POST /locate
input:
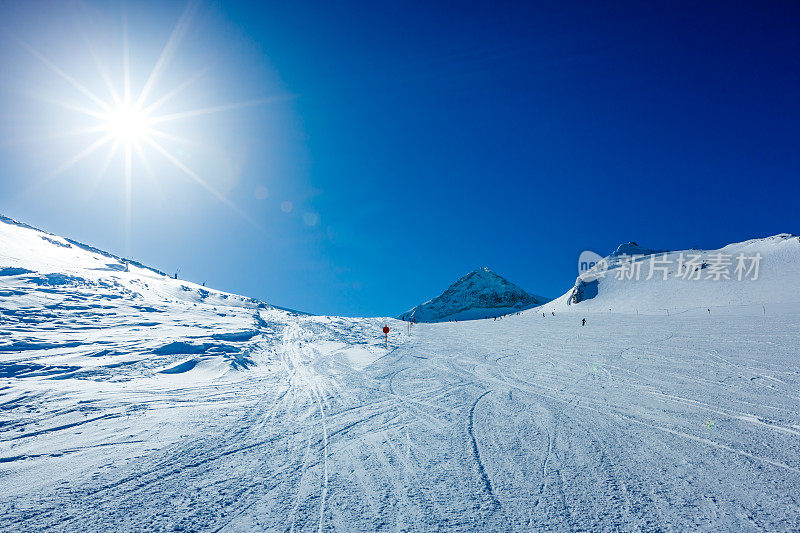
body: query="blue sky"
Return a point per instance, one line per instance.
(385, 150)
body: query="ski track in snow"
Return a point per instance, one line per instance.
(487, 483)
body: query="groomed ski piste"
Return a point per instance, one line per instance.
(133, 401)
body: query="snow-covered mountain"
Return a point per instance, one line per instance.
(132, 400)
(479, 294)
(633, 279)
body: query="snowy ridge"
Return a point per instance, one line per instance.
(479, 294)
(72, 310)
(68, 243)
(695, 279)
(632, 248)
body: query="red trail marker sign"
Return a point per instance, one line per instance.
(386, 333)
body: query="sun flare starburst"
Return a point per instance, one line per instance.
(132, 122)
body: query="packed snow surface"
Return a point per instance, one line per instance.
(132, 401)
(479, 294)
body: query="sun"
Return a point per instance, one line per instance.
(132, 120)
(127, 124)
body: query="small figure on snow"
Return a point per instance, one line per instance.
(583, 322)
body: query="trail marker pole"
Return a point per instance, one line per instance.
(386, 333)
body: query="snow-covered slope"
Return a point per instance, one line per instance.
(71, 310)
(752, 273)
(270, 421)
(479, 294)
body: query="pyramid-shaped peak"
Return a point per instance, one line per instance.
(483, 272)
(478, 294)
(482, 275)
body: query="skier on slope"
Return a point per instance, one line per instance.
(583, 322)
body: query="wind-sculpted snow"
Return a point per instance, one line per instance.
(131, 401)
(479, 294)
(73, 311)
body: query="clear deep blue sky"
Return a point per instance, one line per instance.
(416, 142)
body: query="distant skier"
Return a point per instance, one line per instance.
(583, 322)
(554, 313)
(542, 315)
